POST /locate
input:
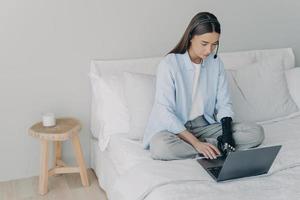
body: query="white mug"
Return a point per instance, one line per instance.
(49, 119)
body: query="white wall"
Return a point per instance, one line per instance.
(46, 47)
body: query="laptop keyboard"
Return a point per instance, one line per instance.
(215, 171)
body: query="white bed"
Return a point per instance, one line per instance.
(127, 172)
(124, 156)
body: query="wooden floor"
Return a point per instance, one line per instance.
(66, 187)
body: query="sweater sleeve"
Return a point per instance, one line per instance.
(224, 103)
(165, 99)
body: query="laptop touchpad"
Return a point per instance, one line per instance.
(212, 162)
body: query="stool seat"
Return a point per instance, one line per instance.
(65, 128)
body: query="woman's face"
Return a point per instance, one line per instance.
(203, 45)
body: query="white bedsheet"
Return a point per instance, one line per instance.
(127, 153)
(144, 178)
(102, 164)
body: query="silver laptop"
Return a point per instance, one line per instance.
(241, 164)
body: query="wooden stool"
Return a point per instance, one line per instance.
(66, 128)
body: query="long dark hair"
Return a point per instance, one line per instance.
(203, 22)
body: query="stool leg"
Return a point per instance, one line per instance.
(43, 179)
(80, 160)
(57, 152)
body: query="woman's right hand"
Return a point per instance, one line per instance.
(207, 149)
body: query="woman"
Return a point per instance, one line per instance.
(192, 112)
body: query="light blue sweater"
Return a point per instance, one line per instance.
(173, 97)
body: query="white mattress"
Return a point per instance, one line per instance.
(124, 155)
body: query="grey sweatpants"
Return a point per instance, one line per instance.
(168, 146)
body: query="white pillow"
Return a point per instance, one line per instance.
(235, 60)
(111, 113)
(259, 91)
(139, 93)
(293, 80)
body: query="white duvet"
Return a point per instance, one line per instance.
(144, 178)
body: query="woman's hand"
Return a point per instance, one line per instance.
(207, 149)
